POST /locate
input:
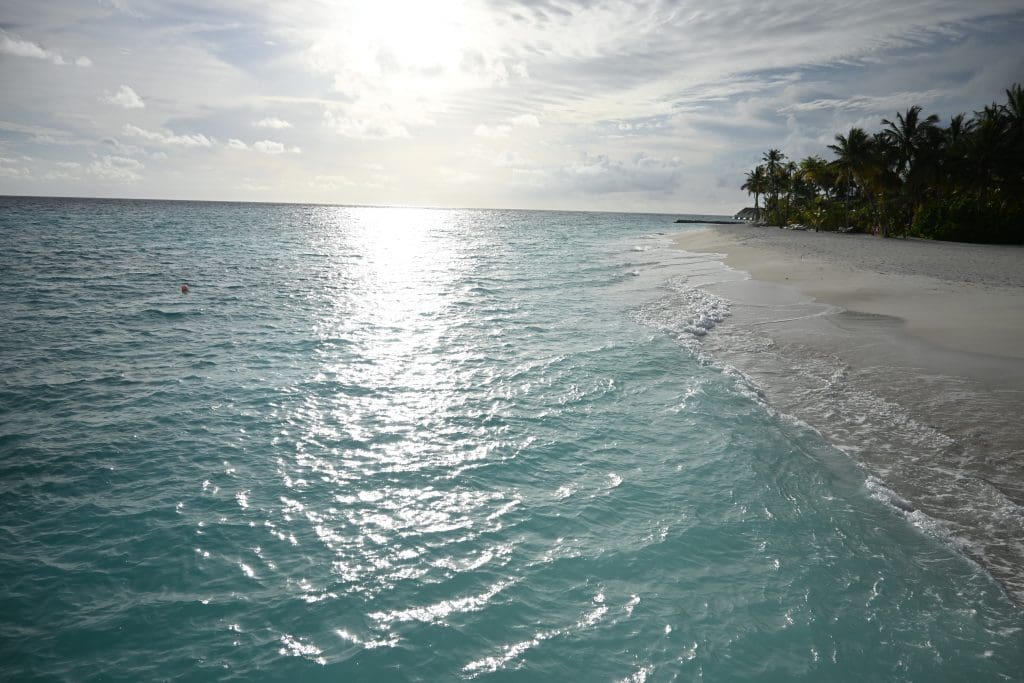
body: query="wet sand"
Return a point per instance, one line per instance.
(908, 355)
(965, 297)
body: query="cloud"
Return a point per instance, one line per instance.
(272, 122)
(35, 131)
(272, 147)
(339, 182)
(170, 139)
(17, 47)
(509, 159)
(65, 170)
(600, 174)
(115, 168)
(457, 176)
(263, 146)
(366, 127)
(525, 120)
(890, 101)
(269, 147)
(499, 131)
(10, 168)
(503, 130)
(127, 98)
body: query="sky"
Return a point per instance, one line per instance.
(606, 105)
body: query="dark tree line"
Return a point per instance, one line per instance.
(914, 177)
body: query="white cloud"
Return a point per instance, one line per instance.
(13, 172)
(891, 101)
(503, 130)
(115, 168)
(170, 139)
(126, 97)
(600, 174)
(263, 146)
(371, 178)
(272, 147)
(272, 122)
(11, 168)
(509, 159)
(500, 131)
(65, 170)
(365, 127)
(268, 147)
(18, 47)
(38, 132)
(252, 185)
(331, 182)
(525, 120)
(457, 176)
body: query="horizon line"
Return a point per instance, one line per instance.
(338, 204)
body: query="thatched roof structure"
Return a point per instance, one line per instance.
(750, 214)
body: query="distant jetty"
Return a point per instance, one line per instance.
(706, 222)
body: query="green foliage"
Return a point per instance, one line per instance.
(971, 219)
(915, 178)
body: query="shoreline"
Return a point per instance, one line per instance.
(962, 297)
(905, 355)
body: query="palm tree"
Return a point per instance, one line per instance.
(986, 149)
(853, 164)
(818, 180)
(1013, 167)
(792, 183)
(773, 159)
(1014, 106)
(756, 184)
(909, 136)
(853, 157)
(914, 145)
(965, 181)
(819, 174)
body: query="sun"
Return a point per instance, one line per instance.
(410, 36)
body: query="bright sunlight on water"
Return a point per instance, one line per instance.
(403, 444)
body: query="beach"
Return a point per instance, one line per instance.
(905, 354)
(965, 297)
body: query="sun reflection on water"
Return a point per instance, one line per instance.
(372, 477)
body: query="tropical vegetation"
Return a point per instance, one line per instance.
(914, 177)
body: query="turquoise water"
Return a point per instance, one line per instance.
(394, 444)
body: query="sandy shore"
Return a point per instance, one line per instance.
(907, 355)
(964, 297)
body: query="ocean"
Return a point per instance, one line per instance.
(390, 444)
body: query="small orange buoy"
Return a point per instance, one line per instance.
(184, 289)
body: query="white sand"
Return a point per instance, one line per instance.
(964, 297)
(907, 355)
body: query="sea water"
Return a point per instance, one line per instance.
(415, 445)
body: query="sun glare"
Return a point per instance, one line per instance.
(407, 34)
